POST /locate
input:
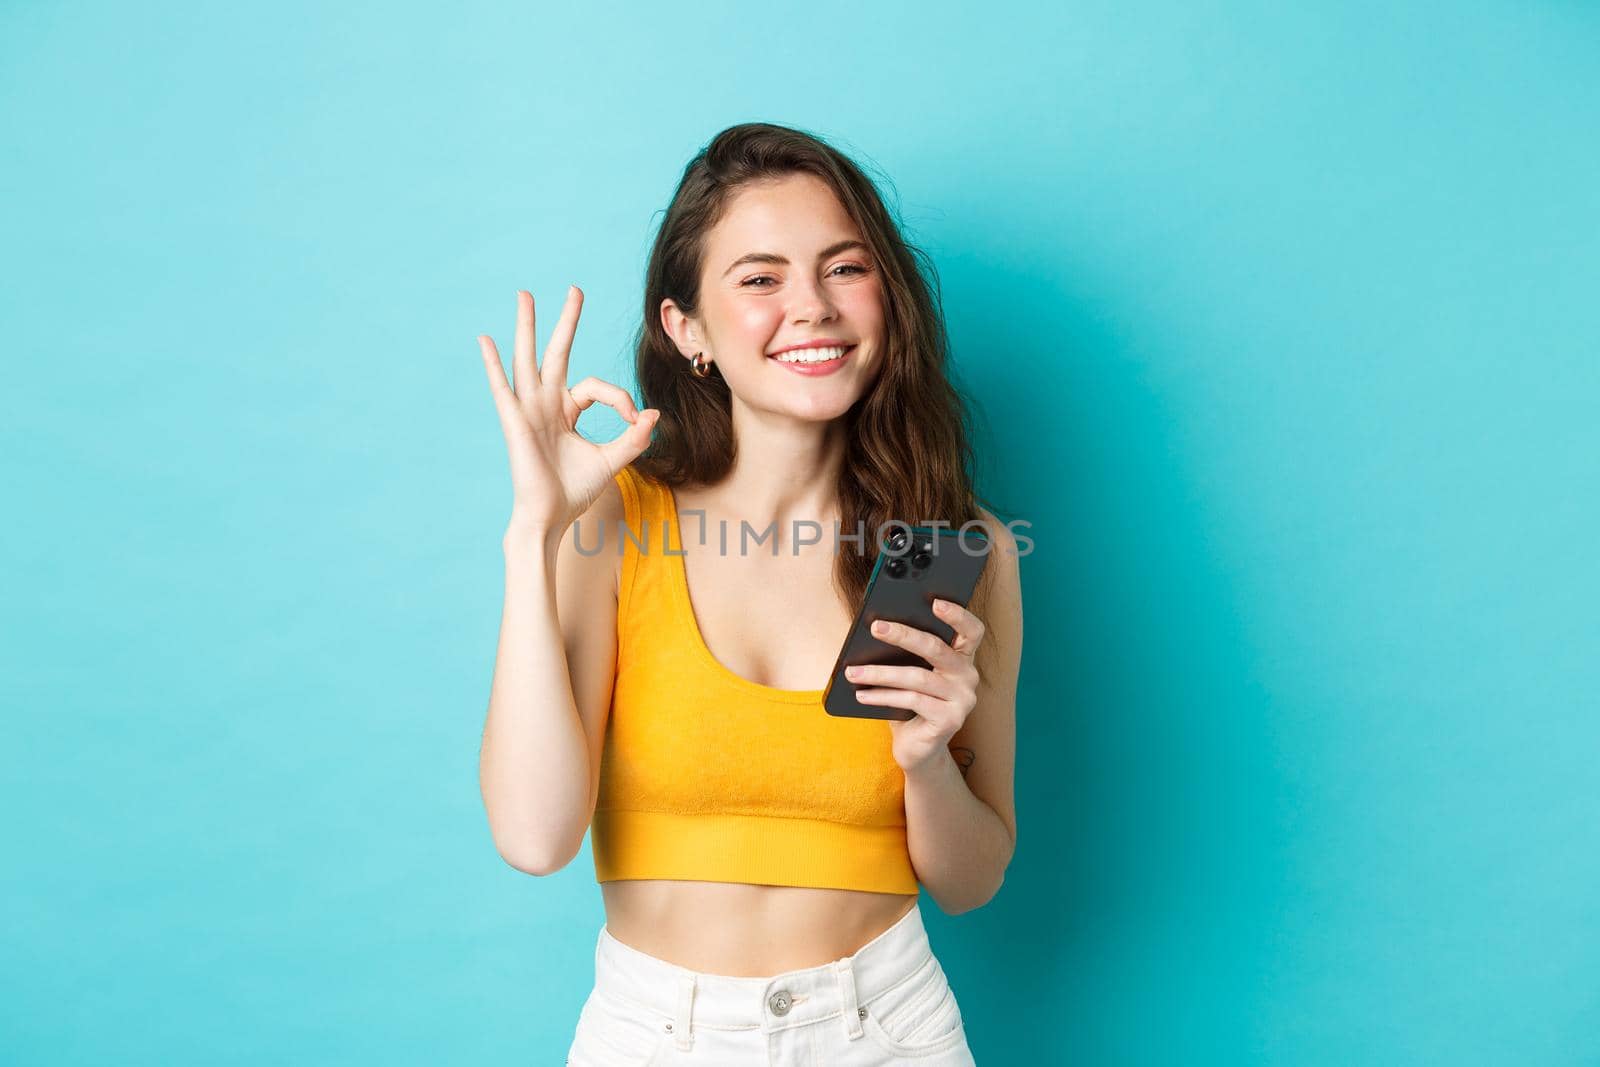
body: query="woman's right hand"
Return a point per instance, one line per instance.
(555, 472)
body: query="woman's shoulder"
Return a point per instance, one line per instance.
(597, 524)
(612, 502)
(637, 480)
(1001, 540)
(636, 493)
(999, 585)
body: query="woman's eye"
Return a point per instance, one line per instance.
(854, 268)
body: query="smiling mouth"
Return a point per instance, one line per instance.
(812, 357)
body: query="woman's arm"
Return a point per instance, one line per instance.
(959, 754)
(960, 847)
(548, 703)
(538, 768)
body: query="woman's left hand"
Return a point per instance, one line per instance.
(942, 697)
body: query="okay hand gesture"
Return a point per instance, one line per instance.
(556, 473)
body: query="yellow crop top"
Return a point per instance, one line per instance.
(708, 776)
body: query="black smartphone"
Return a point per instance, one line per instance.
(915, 565)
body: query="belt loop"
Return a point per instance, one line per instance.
(845, 974)
(681, 1032)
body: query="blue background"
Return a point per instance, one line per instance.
(1284, 320)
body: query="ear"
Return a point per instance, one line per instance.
(683, 330)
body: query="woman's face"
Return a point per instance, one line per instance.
(786, 266)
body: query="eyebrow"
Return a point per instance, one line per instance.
(773, 257)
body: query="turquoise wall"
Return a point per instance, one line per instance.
(1284, 319)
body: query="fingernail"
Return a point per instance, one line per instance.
(880, 627)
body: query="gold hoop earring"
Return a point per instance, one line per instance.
(701, 367)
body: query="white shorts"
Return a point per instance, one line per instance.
(887, 1003)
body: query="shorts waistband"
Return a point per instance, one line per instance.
(793, 998)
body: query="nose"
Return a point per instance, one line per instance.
(810, 304)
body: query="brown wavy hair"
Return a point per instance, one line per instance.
(907, 455)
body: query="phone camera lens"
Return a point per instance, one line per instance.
(921, 560)
(896, 568)
(897, 541)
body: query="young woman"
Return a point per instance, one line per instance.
(659, 681)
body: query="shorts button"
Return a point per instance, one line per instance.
(779, 1002)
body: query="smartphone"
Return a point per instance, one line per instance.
(915, 565)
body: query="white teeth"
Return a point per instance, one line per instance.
(809, 355)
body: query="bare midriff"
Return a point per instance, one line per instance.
(746, 931)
